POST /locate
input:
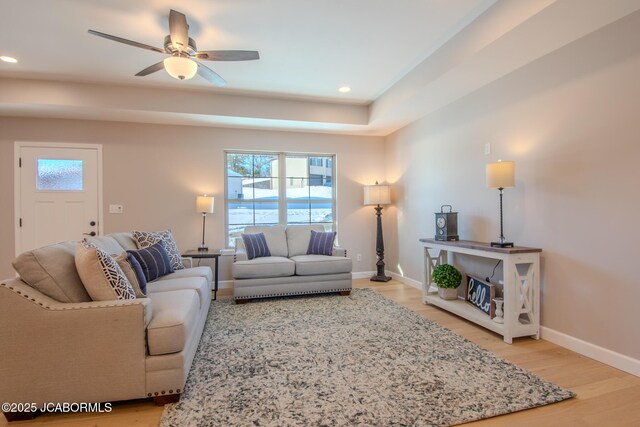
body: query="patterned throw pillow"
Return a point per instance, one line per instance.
(256, 245)
(101, 275)
(321, 243)
(144, 239)
(132, 269)
(154, 261)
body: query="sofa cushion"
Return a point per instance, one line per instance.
(272, 266)
(198, 284)
(298, 237)
(146, 239)
(101, 275)
(275, 236)
(125, 239)
(256, 245)
(321, 243)
(52, 270)
(132, 269)
(154, 261)
(203, 271)
(310, 265)
(107, 244)
(175, 315)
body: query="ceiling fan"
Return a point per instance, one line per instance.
(182, 48)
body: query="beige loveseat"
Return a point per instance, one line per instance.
(68, 348)
(289, 270)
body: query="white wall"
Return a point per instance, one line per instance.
(156, 172)
(571, 123)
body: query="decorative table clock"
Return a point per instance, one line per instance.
(446, 224)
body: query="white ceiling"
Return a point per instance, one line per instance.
(308, 48)
(405, 59)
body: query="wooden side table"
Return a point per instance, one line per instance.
(210, 254)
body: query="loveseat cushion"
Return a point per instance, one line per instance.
(203, 271)
(311, 265)
(175, 315)
(198, 284)
(272, 266)
(298, 237)
(275, 237)
(52, 270)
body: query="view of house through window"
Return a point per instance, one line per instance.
(279, 188)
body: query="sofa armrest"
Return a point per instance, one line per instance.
(338, 251)
(240, 253)
(70, 352)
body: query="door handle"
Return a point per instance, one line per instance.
(92, 223)
(93, 233)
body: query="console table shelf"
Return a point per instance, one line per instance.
(521, 285)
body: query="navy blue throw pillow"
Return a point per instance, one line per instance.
(154, 261)
(256, 245)
(139, 272)
(321, 243)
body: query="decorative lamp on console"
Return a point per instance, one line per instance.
(204, 205)
(378, 195)
(501, 175)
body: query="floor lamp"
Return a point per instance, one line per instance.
(501, 175)
(204, 205)
(378, 195)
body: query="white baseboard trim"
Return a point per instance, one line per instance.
(406, 280)
(601, 354)
(225, 284)
(362, 274)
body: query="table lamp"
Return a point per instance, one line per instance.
(204, 205)
(501, 175)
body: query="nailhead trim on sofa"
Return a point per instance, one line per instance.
(287, 294)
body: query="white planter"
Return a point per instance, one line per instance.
(448, 293)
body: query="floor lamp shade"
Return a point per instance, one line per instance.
(378, 194)
(501, 175)
(205, 204)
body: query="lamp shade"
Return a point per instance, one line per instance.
(379, 194)
(180, 67)
(204, 204)
(501, 174)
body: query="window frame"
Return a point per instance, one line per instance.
(282, 200)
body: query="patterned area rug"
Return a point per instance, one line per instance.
(344, 361)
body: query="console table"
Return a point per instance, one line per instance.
(521, 285)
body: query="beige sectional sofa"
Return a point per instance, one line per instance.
(59, 346)
(289, 270)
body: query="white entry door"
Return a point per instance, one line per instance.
(58, 194)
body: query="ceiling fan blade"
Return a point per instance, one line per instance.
(211, 75)
(152, 69)
(228, 55)
(125, 41)
(179, 30)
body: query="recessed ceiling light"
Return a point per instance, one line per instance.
(344, 89)
(8, 59)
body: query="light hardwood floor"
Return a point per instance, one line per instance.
(606, 396)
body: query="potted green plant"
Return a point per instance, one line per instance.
(447, 278)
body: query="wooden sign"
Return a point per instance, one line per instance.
(480, 294)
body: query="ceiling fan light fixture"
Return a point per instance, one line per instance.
(180, 68)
